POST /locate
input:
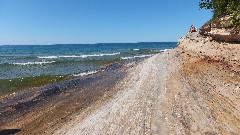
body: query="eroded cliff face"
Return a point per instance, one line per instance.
(221, 30)
(204, 95)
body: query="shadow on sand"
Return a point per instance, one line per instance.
(9, 131)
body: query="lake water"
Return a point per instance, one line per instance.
(19, 61)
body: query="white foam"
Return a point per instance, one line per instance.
(69, 56)
(106, 54)
(33, 63)
(85, 73)
(138, 56)
(135, 49)
(78, 56)
(164, 50)
(142, 56)
(126, 58)
(47, 57)
(90, 55)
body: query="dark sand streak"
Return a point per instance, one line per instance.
(45, 109)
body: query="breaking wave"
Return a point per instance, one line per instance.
(78, 56)
(138, 56)
(33, 63)
(85, 73)
(164, 50)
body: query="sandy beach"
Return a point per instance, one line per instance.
(136, 108)
(92, 67)
(192, 89)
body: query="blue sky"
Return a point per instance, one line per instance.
(97, 21)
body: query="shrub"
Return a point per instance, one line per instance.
(223, 9)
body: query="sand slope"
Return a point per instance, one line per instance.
(193, 89)
(136, 109)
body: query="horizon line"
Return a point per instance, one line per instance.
(92, 43)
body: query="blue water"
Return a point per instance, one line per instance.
(18, 61)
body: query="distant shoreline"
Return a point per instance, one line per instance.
(85, 43)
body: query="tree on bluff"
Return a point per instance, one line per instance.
(222, 8)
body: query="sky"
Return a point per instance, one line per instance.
(47, 22)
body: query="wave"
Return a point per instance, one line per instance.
(70, 56)
(126, 58)
(78, 56)
(85, 73)
(164, 50)
(33, 63)
(55, 57)
(138, 56)
(97, 55)
(47, 57)
(142, 56)
(110, 54)
(136, 49)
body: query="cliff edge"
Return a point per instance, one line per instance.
(204, 94)
(192, 89)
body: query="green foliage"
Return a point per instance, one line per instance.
(207, 4)
(223, 8)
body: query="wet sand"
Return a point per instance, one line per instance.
(45, 109)
(192, 89)
(137, 108)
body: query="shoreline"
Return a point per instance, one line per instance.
(140, 105)
(11, 86)
(55, 103)
(191, 89)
